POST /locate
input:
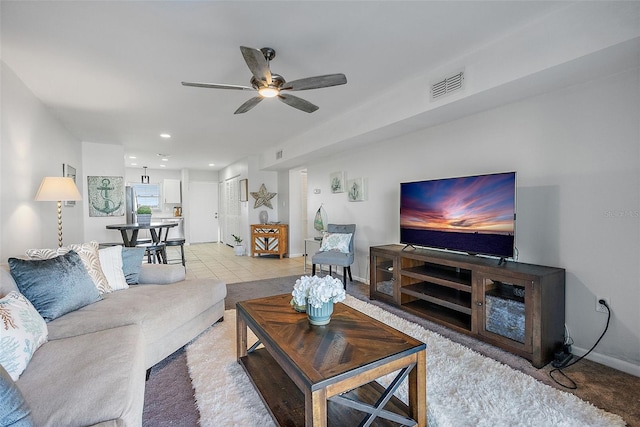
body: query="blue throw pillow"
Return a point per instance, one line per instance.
(54, 286)
(132, 264)
(14, 411)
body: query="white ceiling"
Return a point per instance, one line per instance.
(111, 70)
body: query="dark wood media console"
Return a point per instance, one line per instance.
(516, 306)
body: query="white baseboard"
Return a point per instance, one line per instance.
(609, 361)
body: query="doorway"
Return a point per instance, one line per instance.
(203, 212)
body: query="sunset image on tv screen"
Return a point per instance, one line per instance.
(478, 204)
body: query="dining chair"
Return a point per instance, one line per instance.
(154, 252)
(176, 241)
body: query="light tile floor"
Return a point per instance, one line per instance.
(218, 260)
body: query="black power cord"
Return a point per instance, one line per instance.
(558, 368)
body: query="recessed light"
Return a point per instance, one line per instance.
(212, 164)
(132, 157)
(165, 135)
(163, 166)
(165, 159)
(134, 164)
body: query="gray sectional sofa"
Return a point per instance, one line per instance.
(92, 369)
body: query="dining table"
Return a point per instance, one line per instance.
(130, 231)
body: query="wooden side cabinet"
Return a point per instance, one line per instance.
(269, 239)
(518, 307)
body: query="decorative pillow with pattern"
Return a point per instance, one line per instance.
(335, 242)
(22, 331)
(90, 258)
(111, 263)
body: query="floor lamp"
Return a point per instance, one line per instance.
(58, 189)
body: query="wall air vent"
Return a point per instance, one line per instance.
(447, 85)
(278, 155)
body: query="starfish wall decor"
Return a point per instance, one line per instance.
(263, 197)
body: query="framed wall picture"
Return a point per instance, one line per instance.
(244, 190)
(337, 182)
(69, 171)
(106, 195)
(356, 191)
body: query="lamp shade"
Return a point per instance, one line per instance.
(54, 189)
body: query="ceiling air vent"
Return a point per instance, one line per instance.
(447, 85)
(278, 155)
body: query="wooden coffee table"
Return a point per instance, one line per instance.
(324, 375)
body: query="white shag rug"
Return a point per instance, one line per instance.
(464, 388)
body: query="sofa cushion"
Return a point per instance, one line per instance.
(22, 331)
(132, 264)
(14, 411)
(111, 263)
(162, 274)
(88, 253)
(54, 286)
(88, 379)
(160, 309)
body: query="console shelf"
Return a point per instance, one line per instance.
(446, 297)
(516, 306)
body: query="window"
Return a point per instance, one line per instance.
(148, 195)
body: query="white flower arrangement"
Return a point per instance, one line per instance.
(315, 291)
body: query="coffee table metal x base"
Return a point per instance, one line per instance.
(375, 410)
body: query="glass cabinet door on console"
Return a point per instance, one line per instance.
(383, 277)
(504, 308)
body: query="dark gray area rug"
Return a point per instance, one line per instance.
(169, 396)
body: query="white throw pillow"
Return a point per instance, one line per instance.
(111, 263)
(335, 242)
(88, 254)
(22, 331)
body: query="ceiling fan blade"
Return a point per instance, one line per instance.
(217, 86)
(257, 63)
(298, 103)
(248, 105)
(315, 82)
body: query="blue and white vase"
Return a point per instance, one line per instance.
(320, 316)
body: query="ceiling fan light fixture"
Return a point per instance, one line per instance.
(268, 92)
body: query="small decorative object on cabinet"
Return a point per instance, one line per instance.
(319, 221)
(269, 239)
(516, 306)
(264, 217)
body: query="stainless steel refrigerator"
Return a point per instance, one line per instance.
(131, 204)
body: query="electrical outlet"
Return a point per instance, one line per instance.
(600, 307)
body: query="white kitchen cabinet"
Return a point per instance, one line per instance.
(171, 190)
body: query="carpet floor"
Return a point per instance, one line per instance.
(465, 388)
(169, 397)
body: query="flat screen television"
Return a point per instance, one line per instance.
(472, 214)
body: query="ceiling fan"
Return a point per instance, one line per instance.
(271, 85)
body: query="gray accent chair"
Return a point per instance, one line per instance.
(337, 258)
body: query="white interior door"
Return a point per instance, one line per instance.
(231, 210)
(203, 212)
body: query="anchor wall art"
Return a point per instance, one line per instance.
(106, 195)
